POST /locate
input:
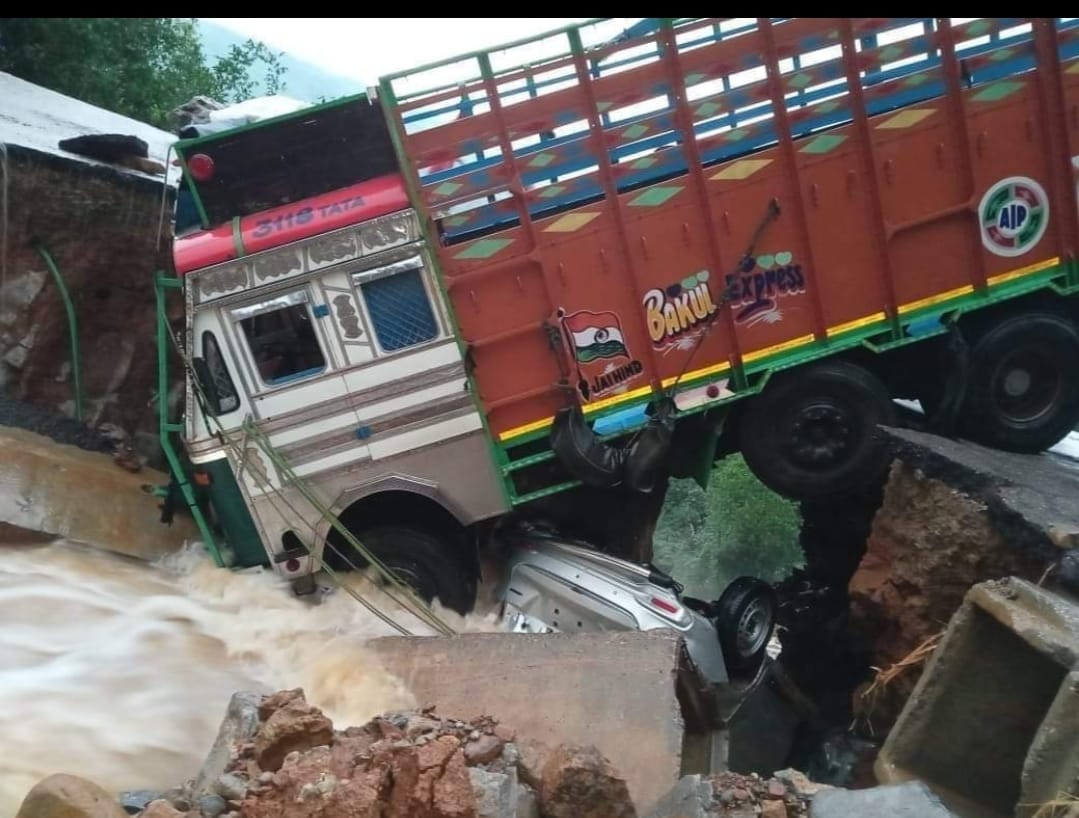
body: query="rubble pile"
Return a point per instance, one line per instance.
(730, 795)
(280, 757)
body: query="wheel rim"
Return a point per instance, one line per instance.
(414, 576)
(1026, 385)
(821, 435)
(754, 627)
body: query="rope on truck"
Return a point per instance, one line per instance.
(394, 588)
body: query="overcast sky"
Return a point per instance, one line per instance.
(367, 47)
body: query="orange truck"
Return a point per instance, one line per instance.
(604, 256)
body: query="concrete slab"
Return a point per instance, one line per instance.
(990, 725)
(616, 691)
(48, 489)
(910, 800)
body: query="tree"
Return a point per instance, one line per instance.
(737, 527)
(142, 67)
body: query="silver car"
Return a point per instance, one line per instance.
(552, 584)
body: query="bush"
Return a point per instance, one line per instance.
(706, 538)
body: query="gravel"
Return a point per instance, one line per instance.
(51, 424)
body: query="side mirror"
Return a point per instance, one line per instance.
(209, 388)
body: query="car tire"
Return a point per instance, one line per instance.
(1022, 391)
(428, 565)
(745, 618)
(812, 433)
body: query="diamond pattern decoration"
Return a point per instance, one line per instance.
(997, 91)
(823, 143)
(914, 80)
(1073, 68)
(800, 80)
(635, 131)
(644, 162)
(1002, 54)
(736, 134)
(693, 79)
(655, 196)
(541, 160)
(484, 248)
(456, 221)
(827, 106)
(742, 169)
(905, 119)
(447, 188)
(892, 52)
(570, 222)
(706, 109)
(551, 191)
(978, 28)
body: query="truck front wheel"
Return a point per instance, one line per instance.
(1022, 391)
(812, 432)
(419, 560)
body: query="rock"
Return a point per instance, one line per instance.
(495, 793)
(418, 725)
(211, 806)
(135, 801)
(451, 796)
(690, 798)
(578, 782)
(911, 800)
(231, 787)
(68, 796)
(798, 783)
(773, 809)
(295, 726)
(268, 705)
(161, 809)
(240, 724)
(527, 804)
(482, 749)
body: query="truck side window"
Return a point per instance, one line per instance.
(227, 398)
(398, 304)
(282, 338)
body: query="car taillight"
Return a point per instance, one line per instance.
(665, 606)
(201, 167)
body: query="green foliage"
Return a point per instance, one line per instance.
(142, 67)
(737, 527)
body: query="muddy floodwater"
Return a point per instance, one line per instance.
(120, 671)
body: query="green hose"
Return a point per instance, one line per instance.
(72, 326)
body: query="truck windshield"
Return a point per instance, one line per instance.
(282, 338)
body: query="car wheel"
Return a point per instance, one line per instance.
(421, 561)
(812, 432)
(1023, 384)
(745, 617)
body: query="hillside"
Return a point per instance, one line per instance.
(303, 80)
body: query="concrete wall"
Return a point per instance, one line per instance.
(616, 691)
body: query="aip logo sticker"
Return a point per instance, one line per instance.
(1013, 215)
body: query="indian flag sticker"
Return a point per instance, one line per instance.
(595, 335)
(1013, 215)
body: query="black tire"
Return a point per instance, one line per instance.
(812, 433)
(423, 562)
(1022, 390)
(745, 620)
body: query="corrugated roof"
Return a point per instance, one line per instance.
(36, 118)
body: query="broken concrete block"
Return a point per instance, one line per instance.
(911, 800)
(690, 798)
(990, 725)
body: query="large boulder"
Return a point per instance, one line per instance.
(68, 796)
(240, 725)
(578, 782)
(293, 726)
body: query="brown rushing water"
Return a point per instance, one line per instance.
(120, 671)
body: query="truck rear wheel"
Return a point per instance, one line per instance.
(419, 560)
(1022, 390)
(812, 432)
